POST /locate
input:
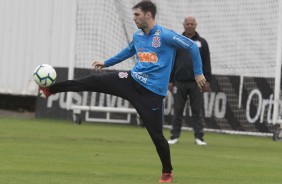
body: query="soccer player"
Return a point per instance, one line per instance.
(145, 85)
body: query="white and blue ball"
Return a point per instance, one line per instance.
(44, 75)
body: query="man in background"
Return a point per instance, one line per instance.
(182, 83)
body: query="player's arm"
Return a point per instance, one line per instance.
(181, 41)
(121, 56)
(172, 73)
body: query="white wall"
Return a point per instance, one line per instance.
(32, 32)
(242, 35)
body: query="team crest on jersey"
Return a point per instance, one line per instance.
(123, 75)
(156, 41)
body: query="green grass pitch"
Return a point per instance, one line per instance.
(34, 151)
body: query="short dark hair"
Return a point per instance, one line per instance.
(147, 6)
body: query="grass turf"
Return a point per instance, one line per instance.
(51, 151)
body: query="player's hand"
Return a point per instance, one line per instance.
(201, 80)
(98, 64)
(170, 86)
(206, 87)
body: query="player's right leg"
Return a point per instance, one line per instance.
(114, 83)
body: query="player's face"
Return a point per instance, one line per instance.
(140, 18)
(190, 26)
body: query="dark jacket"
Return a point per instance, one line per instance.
(183, 65)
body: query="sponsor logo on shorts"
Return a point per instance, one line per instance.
(123, 75)
(155, 108)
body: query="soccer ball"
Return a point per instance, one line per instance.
(44, 75)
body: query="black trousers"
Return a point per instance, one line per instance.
(180, 92)
(148, 104)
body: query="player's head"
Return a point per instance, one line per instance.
(144, 14)
(190, 25)
(146, 7)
